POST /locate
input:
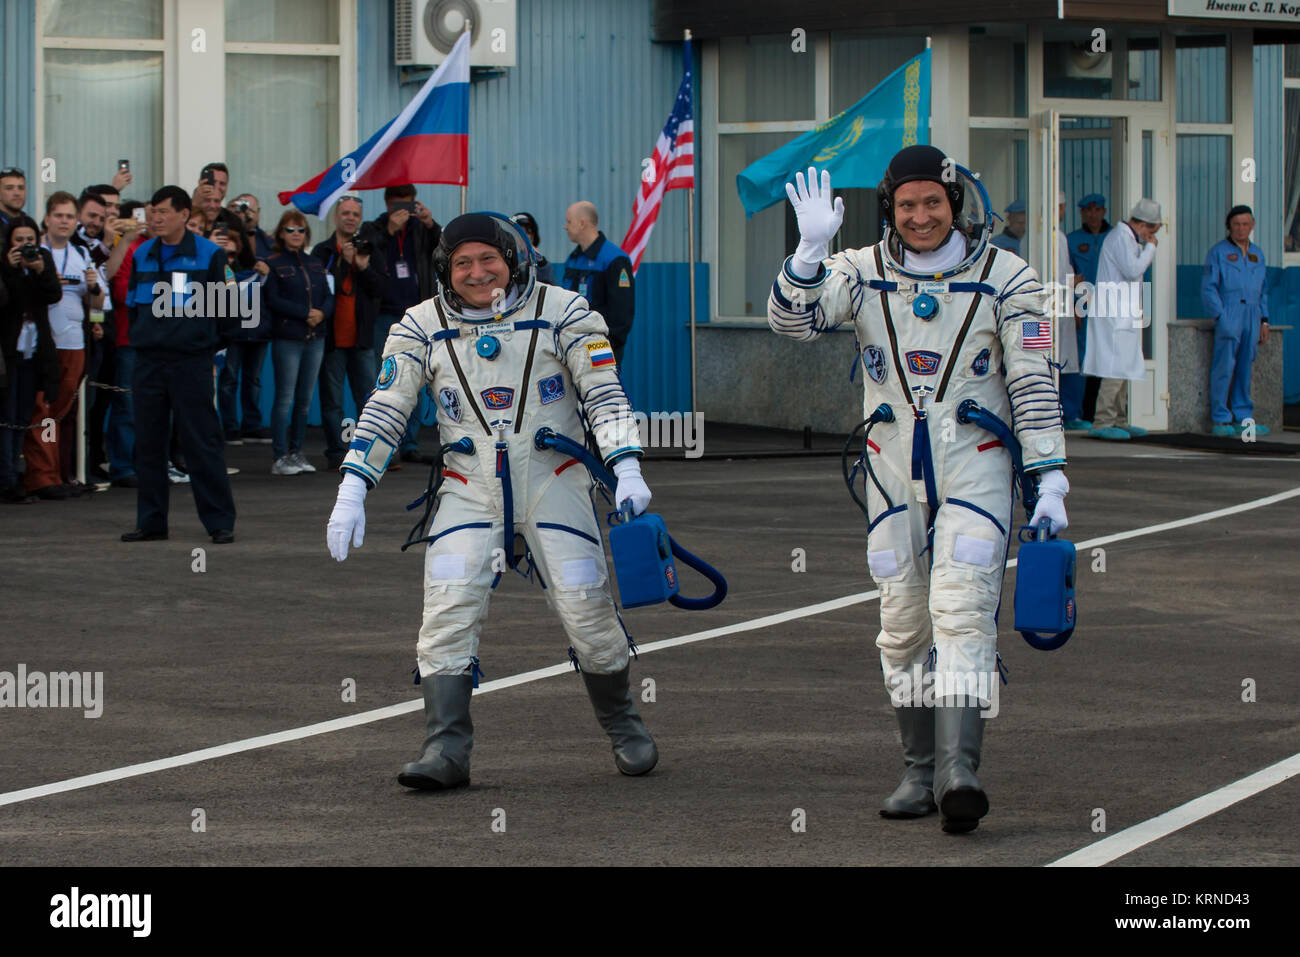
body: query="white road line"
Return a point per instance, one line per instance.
(1139, 835)
(393, 711)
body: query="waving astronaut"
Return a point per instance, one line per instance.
(505, 356)
(940, 316)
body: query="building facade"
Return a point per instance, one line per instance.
(1198, 112)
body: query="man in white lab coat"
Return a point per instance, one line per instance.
(1115, 321)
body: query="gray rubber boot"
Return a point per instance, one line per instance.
(445, 761)
(914, 796)
(958, 737)
(634, 749)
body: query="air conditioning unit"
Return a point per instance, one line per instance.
(424, 31)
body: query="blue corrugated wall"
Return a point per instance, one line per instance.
(18, 89)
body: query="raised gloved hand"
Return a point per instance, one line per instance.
(348, 520)
(819, 220)
(1052, 486)
(631, 485)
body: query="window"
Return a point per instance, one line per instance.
(1001, 157)
(998, 72)
(1101, 64)
(1291, 123)
(101, 94)
(1203, 76)
(763, 78)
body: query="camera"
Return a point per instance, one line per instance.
(30, 252)
(364, 247)
(242, 205)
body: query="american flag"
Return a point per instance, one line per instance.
(1036, 334)
(672, 167)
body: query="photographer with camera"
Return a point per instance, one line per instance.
(410, 236)
(356, 272)
(49, 462)
(30, 286)
(249, 211)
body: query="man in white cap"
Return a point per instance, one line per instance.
(1114, 351)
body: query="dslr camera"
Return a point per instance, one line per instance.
(363, 247)
(30, 252)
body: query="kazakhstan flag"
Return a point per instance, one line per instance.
(856, 145)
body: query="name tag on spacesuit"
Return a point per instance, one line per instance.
(495, 329)
(932, 288)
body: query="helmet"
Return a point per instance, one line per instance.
(529, 224)
(972, 215)
(495, 230)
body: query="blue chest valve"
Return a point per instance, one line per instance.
(643, 550)
(1045, 609)
(488, 347)
(925, 306)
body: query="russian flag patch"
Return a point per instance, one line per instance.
(600, 353)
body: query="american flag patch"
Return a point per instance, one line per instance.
(600, 353)
(1036, 334)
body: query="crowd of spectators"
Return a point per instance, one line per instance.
(67, 312)
(69, 299)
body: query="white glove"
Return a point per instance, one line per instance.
(819, 221)
(631, 485)
(1052, 486)
(348, 520)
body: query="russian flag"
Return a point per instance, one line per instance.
(428, 142)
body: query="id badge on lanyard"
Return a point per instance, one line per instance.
(179, 281)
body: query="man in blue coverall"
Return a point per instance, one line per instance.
(1233, 290)
(1085, 252)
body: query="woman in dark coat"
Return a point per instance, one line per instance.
(31, 285)
(298, 297)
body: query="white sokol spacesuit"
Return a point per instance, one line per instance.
(541, 358)
(962, 321)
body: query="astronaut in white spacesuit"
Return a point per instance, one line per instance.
(505, 356)
(940, 316)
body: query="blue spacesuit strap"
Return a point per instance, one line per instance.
(882, 285)
(507, 501)
(923, 468)
(442, 334)
(980, 287)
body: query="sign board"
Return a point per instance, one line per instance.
(1253, 11)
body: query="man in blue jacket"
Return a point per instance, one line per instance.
(1079, 404)
(179, 287)
(1234, 292)
(601, 273)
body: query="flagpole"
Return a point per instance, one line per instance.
(464, 187)
(690, 251)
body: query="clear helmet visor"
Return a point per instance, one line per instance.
(975, 222)
(521, 261)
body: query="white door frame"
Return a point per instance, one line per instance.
(1149, 398)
